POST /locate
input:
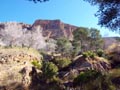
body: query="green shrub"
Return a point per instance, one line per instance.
(49, 70)
(93, 80)
(89, 54)
(86, 76)
(37, 64)
(100, 52)
(56, 80)
(62, 62)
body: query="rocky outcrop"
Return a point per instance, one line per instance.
(113, 53)
(15, 68)
(114, 48)
(108, 41)
(81, 64)
(85, 63)
(55, 28)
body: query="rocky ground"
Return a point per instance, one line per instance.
(15, 67)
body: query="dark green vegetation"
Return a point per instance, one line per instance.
(86, 76)
(93, 80)
(87, 39)
(108, 13)
(81, 64)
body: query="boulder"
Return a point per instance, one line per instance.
(86, 63)
(113, 52)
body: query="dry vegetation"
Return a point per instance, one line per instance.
(15, 66)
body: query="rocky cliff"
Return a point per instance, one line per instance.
(55, 28)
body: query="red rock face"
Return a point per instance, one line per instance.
(55, 28)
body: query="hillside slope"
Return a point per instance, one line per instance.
(15, 67)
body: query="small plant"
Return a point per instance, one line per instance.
(100, 52)
(62, 62)
(89, 54)
(37, 64)
(49, 70)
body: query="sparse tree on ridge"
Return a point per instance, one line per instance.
(87, 39)
(64, 46)
(80, 37)
(95, 39)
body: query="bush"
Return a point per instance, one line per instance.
(100, 52)
(89, 54)
(62, 62)
(37, 64)
(86, 76)
(93, 80)
(49, 70)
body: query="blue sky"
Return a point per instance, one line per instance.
(75, 12)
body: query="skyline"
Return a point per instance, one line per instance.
(79, 13)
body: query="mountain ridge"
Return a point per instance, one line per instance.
(55, 28)
(48, 29)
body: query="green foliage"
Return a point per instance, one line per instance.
(37, 64)
(106, 83)
(93, 80)
(80, 36)
(87, 39)
(49, 70)
(55, 84)
(56, 80)
(76, 48)
(100, 53)
(86, 76)
(108, 13)
(89, 54)
(62, 62)
(80, 33)
(64, 46)
(95, 39)
(62, 40)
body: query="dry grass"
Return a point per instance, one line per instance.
(115, 73)
(10, 71)
(14, 50)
